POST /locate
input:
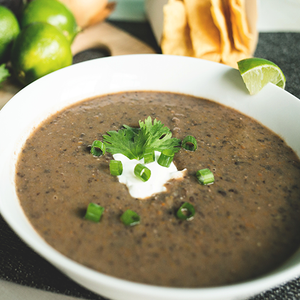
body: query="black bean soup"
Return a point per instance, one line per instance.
(246, 224)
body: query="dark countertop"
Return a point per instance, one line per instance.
(20, 264)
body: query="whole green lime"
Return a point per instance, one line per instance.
(39, 49)
(53, 12)
(9, 29)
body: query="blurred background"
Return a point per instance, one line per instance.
(272, 13)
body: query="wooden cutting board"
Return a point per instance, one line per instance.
(118, 41)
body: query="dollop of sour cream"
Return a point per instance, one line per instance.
(155, 184)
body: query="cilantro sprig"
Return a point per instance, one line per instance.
(135, 142)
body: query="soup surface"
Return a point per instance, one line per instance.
(246, 223)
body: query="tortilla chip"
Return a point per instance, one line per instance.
(216, 30)
(221, 13)
(219, 17)
(176, 36)
(240, 30)
(205, 35)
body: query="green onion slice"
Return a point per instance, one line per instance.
(149, 157)
(115, 167)
(186, 211)
(94, 212)
(98, 148)
(130, 218)
(142, 172)
(205, 176)
(165, 158)
(189, 143)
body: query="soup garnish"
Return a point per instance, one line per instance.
(135, 142)
(140, 145)
(130, 218)
(94, 212)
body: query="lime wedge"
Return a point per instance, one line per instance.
(257, 72)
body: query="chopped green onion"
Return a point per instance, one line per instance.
(115, 167)
(98, 148)
(130, 218)
(189, 143)
(149, 157)
(186, 211)
(94, 212)
(165, 158)
(205, 176)
(142, 172)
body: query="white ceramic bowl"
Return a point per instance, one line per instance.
(273, 107)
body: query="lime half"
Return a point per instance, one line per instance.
(257, 72)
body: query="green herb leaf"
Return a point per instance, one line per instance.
(166, 157)
(121, 141)
(98, 148)
(130, 218)
(115, 167)
(94, 212)
(189, 143)
(4, 73)
(149, 156)
(135, 142)
(142, 172)
(159, 137)
(205, 176)
(186, 211)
